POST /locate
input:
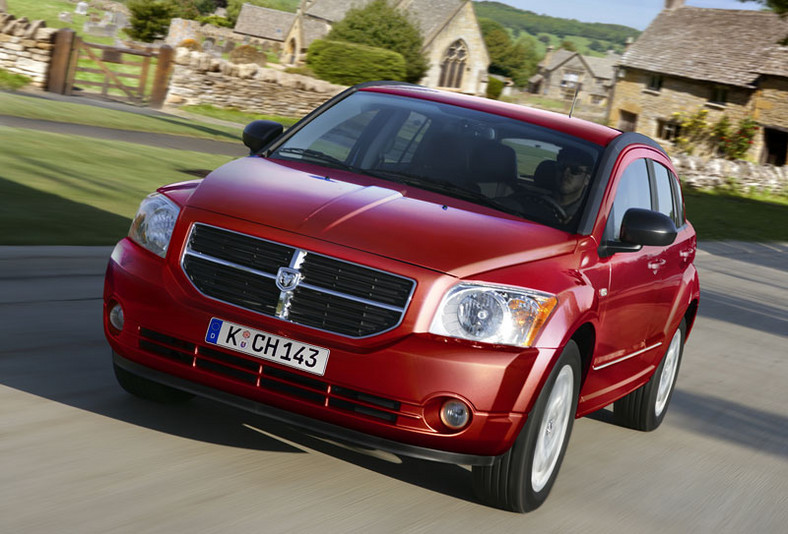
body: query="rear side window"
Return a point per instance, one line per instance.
(669, 199)
(633, 191)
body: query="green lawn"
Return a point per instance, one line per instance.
(726, 216)
(69, 190)
(236, 115)
(32, 107)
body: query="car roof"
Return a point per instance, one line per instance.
(589, 131)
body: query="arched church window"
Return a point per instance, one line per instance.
(453, 65)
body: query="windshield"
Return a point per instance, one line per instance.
(515, 167)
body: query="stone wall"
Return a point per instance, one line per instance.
(200, 78)
(26, 47)
(744, 176)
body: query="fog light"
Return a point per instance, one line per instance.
(455, 414)
(116, 316)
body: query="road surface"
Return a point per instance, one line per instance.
(77, 454)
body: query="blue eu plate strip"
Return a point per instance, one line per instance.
(213, 330)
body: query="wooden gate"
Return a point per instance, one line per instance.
(110, 72)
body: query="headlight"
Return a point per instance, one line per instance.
(152, 226)
(493, 314)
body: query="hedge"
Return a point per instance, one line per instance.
(349, 63)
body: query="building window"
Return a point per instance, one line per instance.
(570, 79)
(627, 121)
(655, 82)
(668, 130)
(719, 95)
(453, 65)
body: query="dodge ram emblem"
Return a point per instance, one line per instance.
(287, 279)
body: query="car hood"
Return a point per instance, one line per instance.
(380, 219)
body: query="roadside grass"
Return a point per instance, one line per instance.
(10, 81)
(33, 107)
(70, 190)
(236, 115)
(723, 215)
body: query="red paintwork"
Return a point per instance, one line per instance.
(436, 241)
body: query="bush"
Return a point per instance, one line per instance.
(494, 88)
(735, 143)
(149, 19)
(216, 20)
(382, 25)
(348, 63)
(11, 81)
(191, 44)
(247, 54)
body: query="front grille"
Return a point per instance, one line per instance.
(332, 295)
(260, 374)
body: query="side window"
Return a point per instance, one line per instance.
(633, 191)
(668, 198)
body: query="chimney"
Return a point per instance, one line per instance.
(670, 5)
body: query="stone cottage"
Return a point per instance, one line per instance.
(562, 72)
(453, 42)
(727, 62)
(264, 25)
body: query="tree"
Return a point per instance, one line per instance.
(568, 45)
(383, 26)
(514, 60)
(778, 6)
(149, 19)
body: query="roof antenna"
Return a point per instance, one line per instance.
(574, 99)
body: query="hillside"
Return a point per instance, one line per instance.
(592, 38)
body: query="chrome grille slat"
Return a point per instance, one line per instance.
(333, 295)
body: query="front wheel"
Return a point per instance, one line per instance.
(521, 479)
(645, 408)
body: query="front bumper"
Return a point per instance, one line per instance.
(384, 395)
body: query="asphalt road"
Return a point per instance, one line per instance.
(77, 454)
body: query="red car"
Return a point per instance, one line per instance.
(432, 274)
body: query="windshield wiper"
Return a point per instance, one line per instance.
(316, 155)
(445, 187)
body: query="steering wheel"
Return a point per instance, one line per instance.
(557, 208)
(548, 202)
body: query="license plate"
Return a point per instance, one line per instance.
(267, 346)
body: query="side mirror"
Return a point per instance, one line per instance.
(640, 228)
(258, 134)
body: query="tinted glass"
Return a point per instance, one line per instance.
(495, 161)
(633, 191)
(666, 203)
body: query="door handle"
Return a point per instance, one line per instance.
(656, 264)
(687, 254)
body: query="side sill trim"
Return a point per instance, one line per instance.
(301, 421)
(626, 357)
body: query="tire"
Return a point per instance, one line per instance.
(645, 408)
(520, 480)
(149, 390)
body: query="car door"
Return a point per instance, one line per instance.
(633, 309)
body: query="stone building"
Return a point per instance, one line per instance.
(453, 42)
(726, 62)
(264, 24)
(562, 72)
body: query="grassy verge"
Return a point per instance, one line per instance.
(69, 190)
(719, 215)
(236, 115)
(40, 108)
(10, 81)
